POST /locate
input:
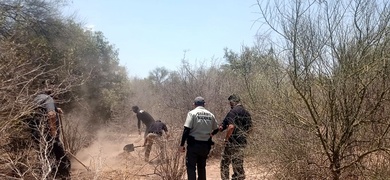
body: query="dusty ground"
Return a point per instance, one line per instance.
(106, 159)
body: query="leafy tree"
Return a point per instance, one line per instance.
(40, 48)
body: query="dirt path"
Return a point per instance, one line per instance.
(106, 160)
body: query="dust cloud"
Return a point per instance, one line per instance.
(106, 152)
(106, 159)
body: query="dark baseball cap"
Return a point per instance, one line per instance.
(199, 100)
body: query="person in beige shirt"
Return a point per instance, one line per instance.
(155, 135)
(198, 127)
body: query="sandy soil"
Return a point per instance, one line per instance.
(106, 159)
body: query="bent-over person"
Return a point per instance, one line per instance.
(144, 117)
(155, 134)
(45, 128)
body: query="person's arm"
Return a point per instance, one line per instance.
(184, 137)
(214, 132)
(186, 131)
(250, 128)
(139, 124)
(227, 121)
(166, 131)
(214, 127)
(229, 132)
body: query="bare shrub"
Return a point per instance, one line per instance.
(173, 167)
(74, 135)
(331, 116)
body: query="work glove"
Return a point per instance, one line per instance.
(59, 110)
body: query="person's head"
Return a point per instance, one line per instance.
(47, 88)
(233, 100)
(199, 101)
(135, 109)
(48, 92)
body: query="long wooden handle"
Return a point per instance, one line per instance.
(66, 144)
(78, 160)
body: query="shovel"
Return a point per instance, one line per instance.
(130, 147)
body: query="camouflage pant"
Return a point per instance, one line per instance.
(154, 138)
(234, 155)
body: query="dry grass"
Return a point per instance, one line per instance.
(106, 160)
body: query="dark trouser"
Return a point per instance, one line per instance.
(51, 148)
(62, 161)
(235, 155)
(196, 159)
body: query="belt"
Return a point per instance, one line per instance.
(201, 142)
(158, 133)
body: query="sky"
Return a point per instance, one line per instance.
(150, 33)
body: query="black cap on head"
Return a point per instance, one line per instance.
(199, 101)
(234, 98)
(135, 108)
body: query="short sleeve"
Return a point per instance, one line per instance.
(215, 123)
(165, 128)
(189, 120)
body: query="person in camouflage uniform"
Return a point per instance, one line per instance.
(238, 123)
(155, 135)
